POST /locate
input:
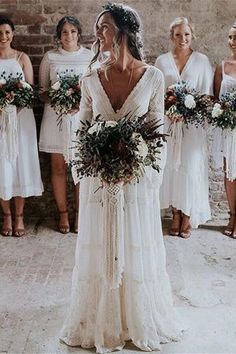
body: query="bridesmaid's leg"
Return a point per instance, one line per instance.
(58, 176)
(230, 188)
(176, 222)
(19, 228)
(185, 230)
(7, 218)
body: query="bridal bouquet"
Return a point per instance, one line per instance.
(186, 105)
(65, 94)
(223, 113)
(15, 91)
(117, 151)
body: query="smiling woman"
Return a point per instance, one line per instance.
(120, 289)
(19, 166)
(185, 187)
(70, 59)
(224, 142)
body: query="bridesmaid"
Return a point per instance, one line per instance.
(224, 81)
(70, 55)
(19, 171)
(186, 188)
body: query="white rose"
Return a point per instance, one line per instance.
(95, 128)
(216, 111)
(142, 146)
(189, 102)
(69, 92)
(110, 123)
(2, 82)
(26, 85)
(56, 86)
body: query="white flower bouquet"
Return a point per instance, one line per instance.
(15, 91)
(117, 151)
(65, 94)
(187, 105)
(223, 113)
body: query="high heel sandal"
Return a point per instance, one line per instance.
(19, 231)
(6, 231)
(177, 215)
(185, 231)
(233, 235)
(228, 231)
(65, 227)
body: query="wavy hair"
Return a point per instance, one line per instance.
(128, 25)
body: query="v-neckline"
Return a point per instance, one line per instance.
(185, 66)
(128, 96)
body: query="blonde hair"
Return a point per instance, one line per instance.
(181, 21)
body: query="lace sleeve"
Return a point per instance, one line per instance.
(156, 112)
(85, 114)
(44, 74)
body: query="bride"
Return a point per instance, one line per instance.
(115, 299)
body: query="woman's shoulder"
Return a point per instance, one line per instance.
(200, 56)
(162, 58)
(155, 73)
(89, 76)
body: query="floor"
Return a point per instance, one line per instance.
(35, 278)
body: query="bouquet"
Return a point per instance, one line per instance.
(117, 151)
(187, 105)
(65, 94)
(15, 91)
(223, 113)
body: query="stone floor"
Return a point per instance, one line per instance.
(35, 277)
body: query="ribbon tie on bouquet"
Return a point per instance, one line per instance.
(113, 231)
(8, 133)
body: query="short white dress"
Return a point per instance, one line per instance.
(55, 139)
(224, 141)
(120, 288)
(186, 188)
(20, 177)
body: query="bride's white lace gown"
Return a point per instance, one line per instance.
(137, 303)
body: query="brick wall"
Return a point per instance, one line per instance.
(35, 22)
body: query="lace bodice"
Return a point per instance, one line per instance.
(58, 61)
(146, 96)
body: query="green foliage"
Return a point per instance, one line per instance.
(117, 151)
(15, 91)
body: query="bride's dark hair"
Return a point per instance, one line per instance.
(128, 24)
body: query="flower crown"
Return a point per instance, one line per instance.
(122, 17)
